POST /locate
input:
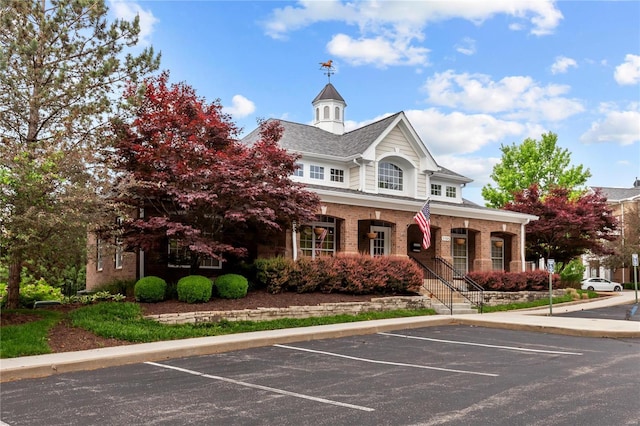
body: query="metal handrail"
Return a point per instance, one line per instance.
(442, 292)
(460, 281)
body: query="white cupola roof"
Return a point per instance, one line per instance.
(328, 111)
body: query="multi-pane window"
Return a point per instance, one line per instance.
(119, 257)
(497, 254)
(390, 177)
(179, 257)
(119, 261)
(337, 175)
(451, 192)
(459, 249)
(99, 260)
(318, 238)
(316, 172)
(299, 170)
(436, 189)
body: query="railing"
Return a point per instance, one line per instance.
(442, 281)
(464, 285)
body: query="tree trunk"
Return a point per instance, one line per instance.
(13, 289)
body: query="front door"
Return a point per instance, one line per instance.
(379, 246)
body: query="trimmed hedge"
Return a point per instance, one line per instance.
(352, 274)
(150, 289)
(231, 286)
(515, 281)
(194, 289)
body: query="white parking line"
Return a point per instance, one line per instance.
(457, 342)
(266, 388)
(400, 364)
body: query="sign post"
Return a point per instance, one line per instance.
(634, 258)
(551, 266)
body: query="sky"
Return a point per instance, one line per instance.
(471, 76)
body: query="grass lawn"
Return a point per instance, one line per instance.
(124, 321)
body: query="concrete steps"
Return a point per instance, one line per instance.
(460, 305)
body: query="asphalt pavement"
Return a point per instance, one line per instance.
(602, 318)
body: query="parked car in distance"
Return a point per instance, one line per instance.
(600, 284)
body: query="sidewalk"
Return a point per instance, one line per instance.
(526, 320)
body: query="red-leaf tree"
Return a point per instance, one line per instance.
(180, 161)
(567, 226)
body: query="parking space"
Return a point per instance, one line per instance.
(428, 376)
(617, 312)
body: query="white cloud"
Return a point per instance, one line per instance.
(377, 51)
(562, 65)
(517, 97)
(240, 107)
(459, 133)
(397, 27)
(128, 11)
(467, 46)
(629, 71)
(621, 127)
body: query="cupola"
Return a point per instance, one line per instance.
(328, 109)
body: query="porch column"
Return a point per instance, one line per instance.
(482, 247)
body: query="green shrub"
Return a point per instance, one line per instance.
(274, 274)
(571, 274)
(231, 286)
(125, 287)
(194, 289)
(3, 294)
(150, 289)
(31, 293)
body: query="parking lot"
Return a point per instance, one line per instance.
(454, 375)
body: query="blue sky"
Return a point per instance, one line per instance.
(470, 76)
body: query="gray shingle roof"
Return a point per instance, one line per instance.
(618, 194)
(328, 92)
(308, 139)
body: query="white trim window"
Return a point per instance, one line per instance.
(318, 238)
(451, 192)
(390, 177)
(299, 171)
(497, 254)
(316, 172)
(337, 175)
(436, 189)
(119, 255)
(99, 258)
(179, 257)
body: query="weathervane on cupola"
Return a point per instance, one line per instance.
(328, 68)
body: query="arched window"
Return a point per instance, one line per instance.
(337, 113)
(317, 114)
(326, 113)
(390, 177)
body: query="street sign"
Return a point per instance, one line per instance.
(634, 259)
(551, 265)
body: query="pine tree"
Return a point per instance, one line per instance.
(61, 67)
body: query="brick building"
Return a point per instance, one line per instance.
(625, 203)
(371, 182)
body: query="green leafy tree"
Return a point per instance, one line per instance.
(61, 66)
(541, 162)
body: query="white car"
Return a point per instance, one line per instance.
(600, 284)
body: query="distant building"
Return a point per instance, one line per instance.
(371, 182)
(625, 203)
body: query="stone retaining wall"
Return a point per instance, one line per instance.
(495, 298)
(324, 309)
